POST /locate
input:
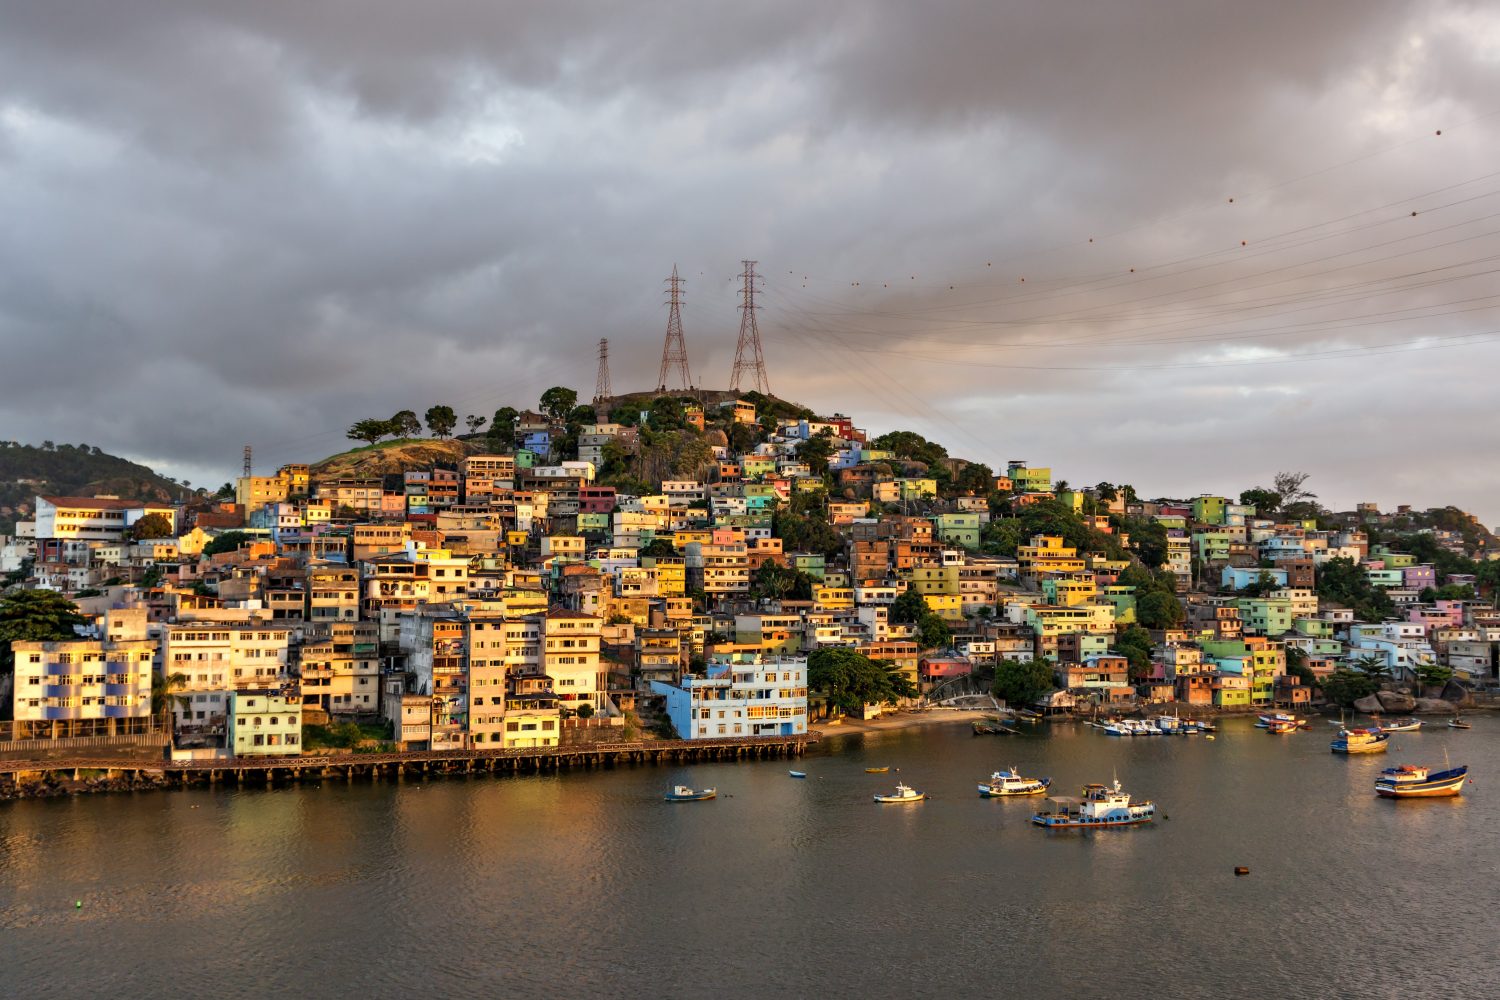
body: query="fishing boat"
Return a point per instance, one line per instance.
(1281, 727)
(1266, 721)
(1360, 741)
(1457, 723)
(1027, 715)
(902, 794)
(1117, 729)
(796, 774)
(1401, 726)
(988, 727)
(877, 770)
(1410, 781)
(1005, 783)
(682, 793)
(1101, 805)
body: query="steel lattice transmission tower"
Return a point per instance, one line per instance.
(247, 461)
(674, 350)
(601, 382)
(748, 359)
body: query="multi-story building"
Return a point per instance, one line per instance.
(93, 519)
(216, 658)
(86, 687)
(332, 593)
(741, 695)
(339, 667)
(263, 722)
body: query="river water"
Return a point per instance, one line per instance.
(590, 884)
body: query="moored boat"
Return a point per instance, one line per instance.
(877, 770)
(1457, 723)
(1401, 726)
(796, 774)
(902, 794)
(1027, 715)
(1004, 783)
(1360, 741)
(1101, 806)
(682, 793)
(1410, 781)
(1280, 727)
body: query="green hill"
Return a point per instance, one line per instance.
(70, 470)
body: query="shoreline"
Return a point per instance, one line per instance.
(901, 720)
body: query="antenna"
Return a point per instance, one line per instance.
(601, 382)
(247, 461)
(674, 349)
(748, 359)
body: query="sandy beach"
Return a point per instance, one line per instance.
(899, 720)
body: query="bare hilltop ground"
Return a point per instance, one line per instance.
(395, 457)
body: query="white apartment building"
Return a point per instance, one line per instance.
(740, 697)
(218, 658)
(86, 687)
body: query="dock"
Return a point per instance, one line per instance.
(21, 779)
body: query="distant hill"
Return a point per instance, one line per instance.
(70, 470)
(395, 457)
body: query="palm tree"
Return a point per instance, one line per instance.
(165, 697)
(1373, 667)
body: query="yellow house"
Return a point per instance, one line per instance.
(948, 607)
(833, 598)
(1047, 554)
(934, 579)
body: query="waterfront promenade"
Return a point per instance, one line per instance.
(22, 779)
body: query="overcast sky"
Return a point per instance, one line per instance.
(1170, 244)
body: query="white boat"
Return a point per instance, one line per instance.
(902, 794)
(1117, 729)
(1004, 783)
(682, 793)
(1101, 805)
(797, 774)
(1401, 726)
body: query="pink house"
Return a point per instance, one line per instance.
(1418, 578)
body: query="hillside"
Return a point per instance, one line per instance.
(70, 470)
(394, 458)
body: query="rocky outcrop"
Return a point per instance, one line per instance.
(1458, 694)
(1396, 701)
(1369, 705)
(1434, 706)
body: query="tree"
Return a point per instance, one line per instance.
(165, 697)
(1344, 581)
(1433, 674)
(850, 680)
(35, 616)
(816, 451)
(585, 711)
(1345, 687)
(227, 542)
(405, 424)
(503, 424)
(666, 414)
(1291, 487)
(908, 608)
(475, 422)
(1374, 667)
(781, 583)
(1107, 492)
(557, 401)
(152, 526)
(1159, 609)
(441, 420)
(1135, 645)
(1022, 683)
(659, 547)
(1263, 500)
(935, 633)
(1296, 666)
(368, 430)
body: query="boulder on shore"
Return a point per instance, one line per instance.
(1458, 694)
(1369, 704)
(1396, 701)
(1435, 706)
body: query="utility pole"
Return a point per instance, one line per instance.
(748, 359)
(674, 349)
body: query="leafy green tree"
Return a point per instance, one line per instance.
(659, 547)
(369, 430)
(474, 421)
(667, 414)
(1148, 537)
(1296, 666)
(975, 479)
(503, 425)
(227, 542)
(1000, 538)
(35, 616)
(558, 401)
(441, 420)
(1344, 581)
(911, 445)
(165, 696)
(1374, 667)
(1021, 683)
(1266, 502)
(1107, 492)
(908, 608)
(1344, 687)
(1159, 609)
(152, 526)
(781, 583)
(404, 423)
(1135, 645)
(1433, 674)
(935, 633)
(850, 680)
(806, 533)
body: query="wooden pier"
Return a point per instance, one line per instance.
(19, 779)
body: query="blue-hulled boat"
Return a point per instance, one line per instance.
(682, 793)
(1412, 782)
(797, 774)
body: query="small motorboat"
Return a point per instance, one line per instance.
(1360, 741)
(902, 794)
(1412, 782)
(877, 770)
(1401, 726)
(1281, 726)
(1006, 783)
(1459, 724)
(682, 793)
(1266, 721)
(1027, 715)
(796, 774)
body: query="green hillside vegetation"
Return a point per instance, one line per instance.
(71, 470)
(395, 457)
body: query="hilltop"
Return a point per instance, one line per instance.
(70, 470)
(395, 457)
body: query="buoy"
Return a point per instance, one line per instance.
(78, 904)
(1210, 736)
(1241, 870)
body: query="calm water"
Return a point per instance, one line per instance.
(590, 884)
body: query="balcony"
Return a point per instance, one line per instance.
(57, 690)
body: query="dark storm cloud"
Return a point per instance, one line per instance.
(232, 222)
